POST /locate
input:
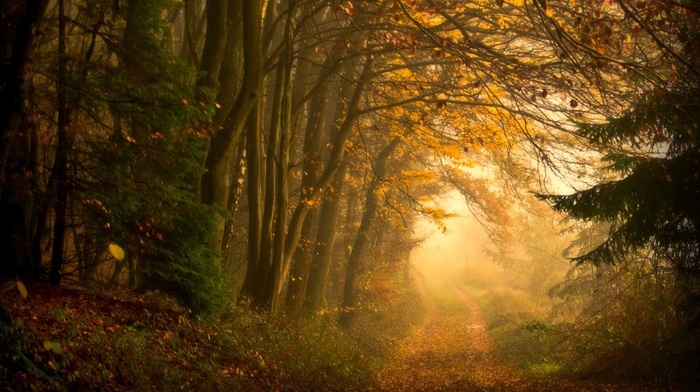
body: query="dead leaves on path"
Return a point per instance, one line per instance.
(452, 351)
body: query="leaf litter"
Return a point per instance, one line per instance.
(453, 351)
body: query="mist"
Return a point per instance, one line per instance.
(456, 251)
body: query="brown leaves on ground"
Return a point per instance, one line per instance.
(121, 341)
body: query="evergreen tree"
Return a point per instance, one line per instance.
(138, 182)
(654, 148)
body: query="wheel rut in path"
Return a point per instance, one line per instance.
(450, 351)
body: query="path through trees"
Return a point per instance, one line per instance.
(453, 351)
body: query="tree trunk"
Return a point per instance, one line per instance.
(301, 266)
(17, 43)
(277, 180)
(362, 237)
(59, 176)
(336, 160)
(214, 44)
(323, 247)
(254, 277)
(215, 185)
(194, 24)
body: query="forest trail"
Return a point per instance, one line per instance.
(452, 350)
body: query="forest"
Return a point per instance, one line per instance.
(349, 195)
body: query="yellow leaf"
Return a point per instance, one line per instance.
(53, 346)
(22, 289)
(549, 12)
(116, 251)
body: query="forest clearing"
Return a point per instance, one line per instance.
(321, 195)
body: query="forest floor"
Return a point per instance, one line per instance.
(452, 351)
(70, 338)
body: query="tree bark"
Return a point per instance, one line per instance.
(59, 176)
(214, 44)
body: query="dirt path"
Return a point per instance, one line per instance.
(452, 351)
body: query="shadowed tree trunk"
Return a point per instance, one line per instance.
(215, 185)
(18, 32)
(59, 176)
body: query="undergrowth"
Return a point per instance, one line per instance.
(623, 323)
(78, 340)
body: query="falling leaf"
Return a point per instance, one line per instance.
(53, 346)
(116, 251)
(22, 289)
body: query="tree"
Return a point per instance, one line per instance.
(653, 203)
(19, 31)
(363, 232)
(650, 147)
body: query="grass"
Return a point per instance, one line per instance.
(627, 328)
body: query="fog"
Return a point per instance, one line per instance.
(451, 252)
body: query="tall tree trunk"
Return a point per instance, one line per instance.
(336, 159)
(59, 176)
(301, 266)
(362, 237)
(323, 246)
(277, 181)
(215, 185)
(254, 277)
(272, 258)
(20, 19)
